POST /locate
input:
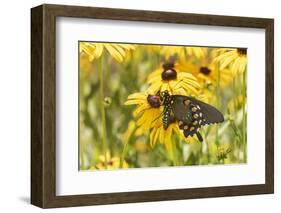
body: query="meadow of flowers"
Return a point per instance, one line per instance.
(121, 116)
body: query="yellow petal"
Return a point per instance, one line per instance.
(234, 66)
(242, 65)
(141, 108)
(161, 135)
(154, 88)
(127, 46)
(137, 95)
(98, 50)
(224, 55)
(119, 49)
(135, 101)
(154, 136)
(227, 61)
(114, 53)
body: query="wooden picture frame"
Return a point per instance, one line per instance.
(43, 105)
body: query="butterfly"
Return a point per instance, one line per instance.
(190, 113)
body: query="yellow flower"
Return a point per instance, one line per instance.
(170, 77)
(84, 63)
(235, 59)
(208, 73)
(109, 162)
(164, 136)
(148, 109)
(153, 48)
(236, 102)
(95, 50)
(198, 52)
(182, 52)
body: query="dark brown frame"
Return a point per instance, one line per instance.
(43, 105)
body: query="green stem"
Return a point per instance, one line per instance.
(82, 161)
(244, 116)
(235, 102)
(175, 153)
(124, 151)
(207, 146)
(125, 148)
(102, 109)
(218, 102)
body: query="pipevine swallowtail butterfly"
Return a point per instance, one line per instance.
(190, 113)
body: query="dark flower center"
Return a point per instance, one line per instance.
(154, 100)
(205, 70)
(169, 74)
(107, 163)
(242, 51)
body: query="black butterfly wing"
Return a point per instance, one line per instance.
(191, 114)
(180, 110)
(210, 113)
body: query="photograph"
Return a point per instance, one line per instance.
(140, 105)
(161, 105)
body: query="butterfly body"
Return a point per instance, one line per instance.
(167, 111)
(190, 113)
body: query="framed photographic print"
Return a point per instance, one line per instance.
(136, 106)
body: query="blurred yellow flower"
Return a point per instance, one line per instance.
(95, 50)
(148, 109)
(234, 58)
(140, 146)
(154, 48)
(84, 64)
(236, 102)
(198, 52)
(208, 73)
(170, 77)
(182, 52)
(109, 162)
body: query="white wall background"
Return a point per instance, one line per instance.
(15, 105)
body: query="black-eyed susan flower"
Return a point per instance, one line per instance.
(236, 102)
(234, 58)
(148, 108)
(149, 115)
(154, 48)
(208, 73)
(164, 136)
(183, 52)
(109, 162)
(171, 77)
(95, 50)
(84, 64)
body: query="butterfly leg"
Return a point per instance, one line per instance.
(199, 136)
